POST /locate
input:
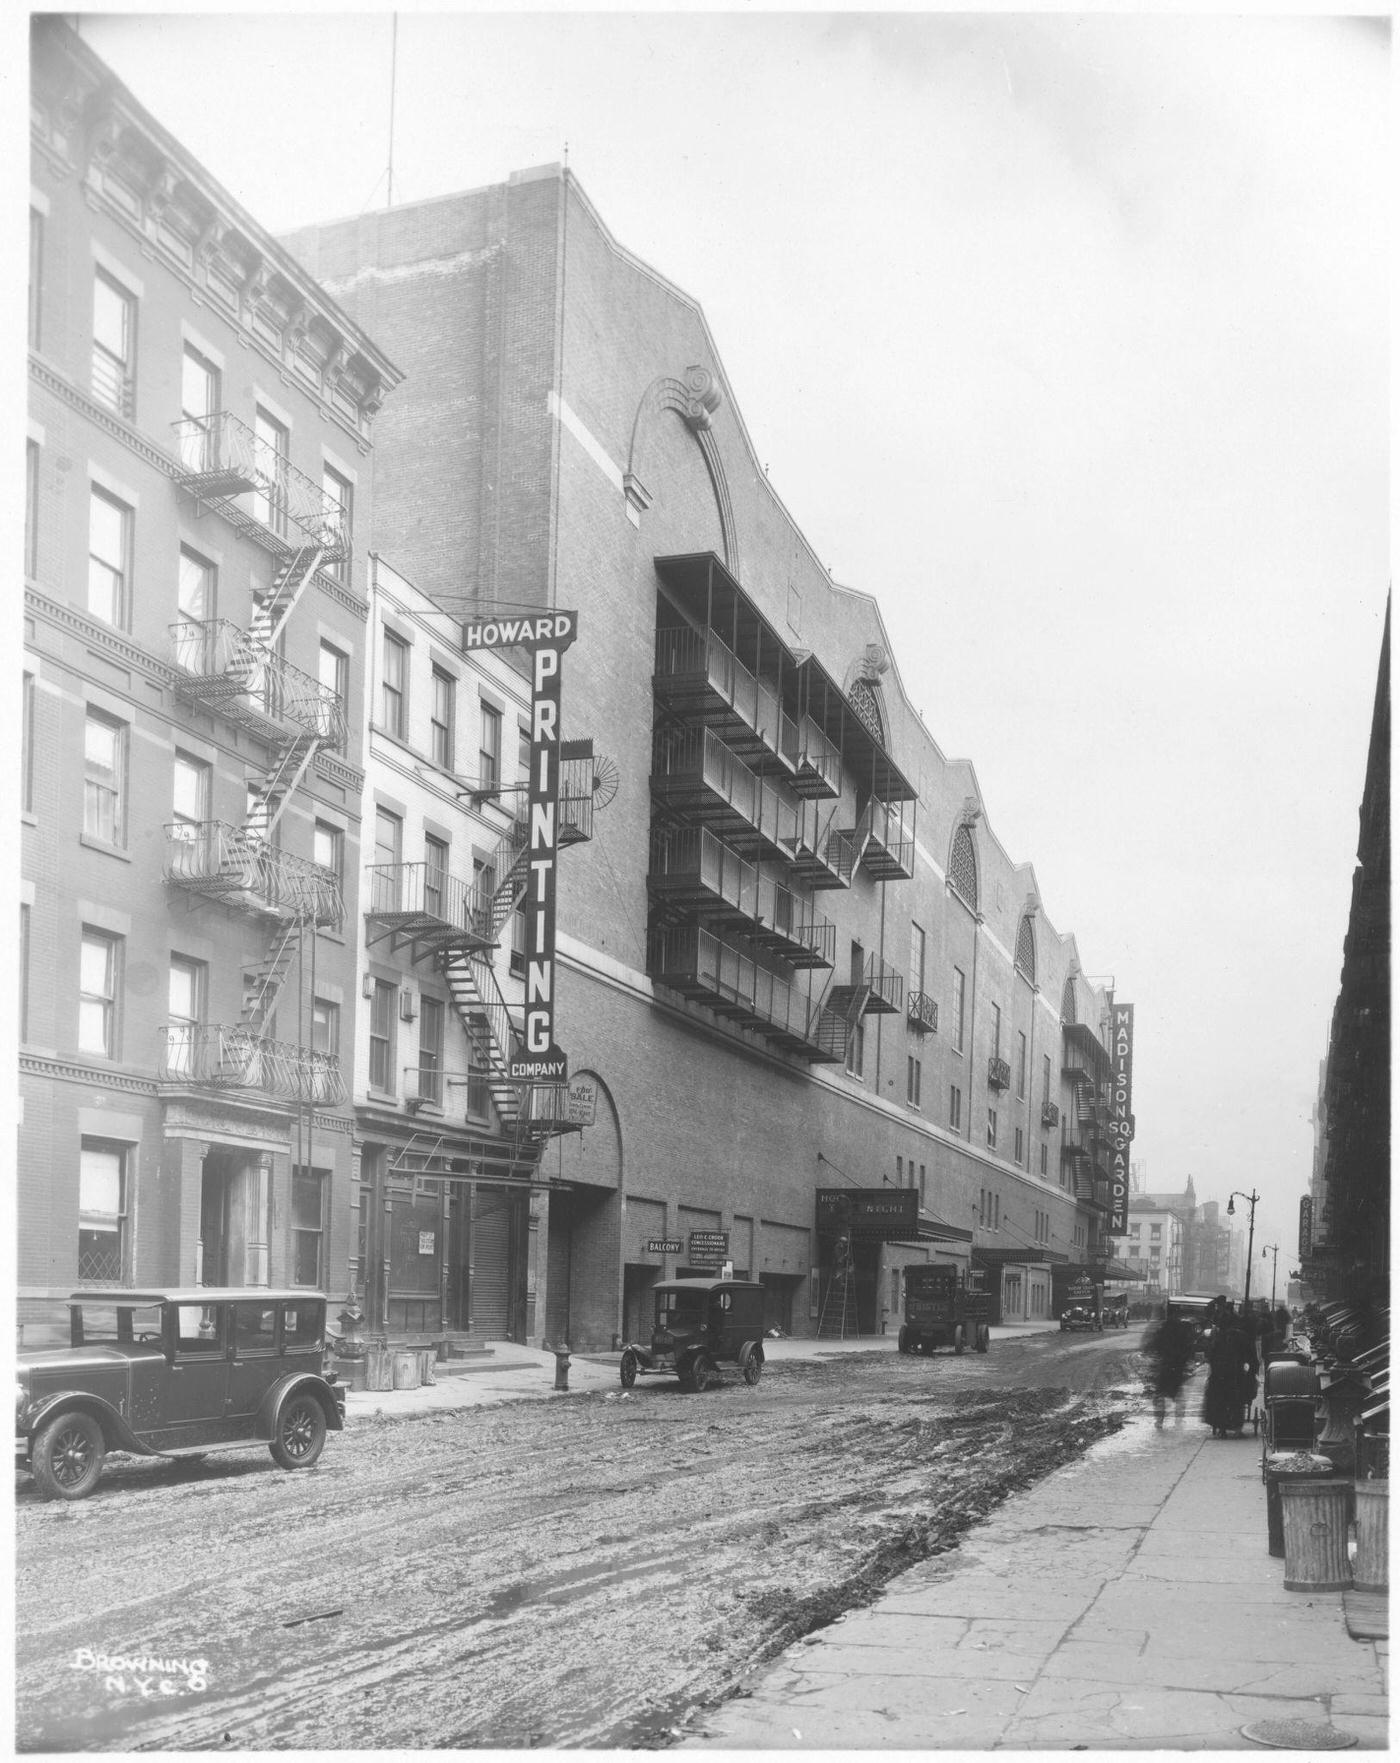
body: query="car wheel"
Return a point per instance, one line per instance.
(67, 1457)
(984, 1337)
(753, 1366)
(960, 1339)
(301, 1433)
(628, 1369)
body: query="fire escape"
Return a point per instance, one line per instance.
(238, 673)
(1085, 1145)
(457, 928)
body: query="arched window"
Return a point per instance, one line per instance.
(865, 702)
(962, 867)
(1068, 1010)
(1025, 948)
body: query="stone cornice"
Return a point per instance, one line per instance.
(76, 1071)
(100, 635)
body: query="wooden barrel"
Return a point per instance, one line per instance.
(1315, 1535)
(1371, 1569)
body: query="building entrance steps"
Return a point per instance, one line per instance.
(1127, 1601)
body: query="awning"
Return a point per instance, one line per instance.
(933, 1229)
(1029, 1256)
(1116, 1270)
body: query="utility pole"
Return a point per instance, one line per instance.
(1249, 1252)
(1271, 1249)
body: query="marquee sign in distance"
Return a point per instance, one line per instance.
(546, 635)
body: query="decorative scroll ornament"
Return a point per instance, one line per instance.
(873, 662)
(702, 398)
(971, 811)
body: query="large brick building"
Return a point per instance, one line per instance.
(795, 957)
(195, 632)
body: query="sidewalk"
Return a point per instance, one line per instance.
(1126, 1602)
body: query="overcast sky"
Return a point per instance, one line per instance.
(1066, 337)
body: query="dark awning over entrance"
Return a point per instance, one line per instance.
(1029, 1256)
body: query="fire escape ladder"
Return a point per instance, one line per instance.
(261, 998)
(417, 1155)
(281, 783)
(491, 1031)
(510, 860)
(271, 614)
(856, 1009)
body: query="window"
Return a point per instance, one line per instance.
(489, 768)
(325, 1027)
(113, 344)
(1020, 1064)
(435, 852)
(1156, 1230)
(36, 277)
(915, 1080)
(1020, 1151)
(190, 804)
(395, 686)
(381, 1036)
(338, 504)
(518, 928)
(959, 1000)
(104, 778)
(1044, 1160)
(31, 508)
(271, 445)
(23, 972)
(387, 881)
(328, 848)
(916, 958)
(199, 410)
(430, 1038)
(187, 981)
(98, 963)
(109, 554)
(962, 867)
(102, 1180)
(309, 1188)
(996, 1031)
(483, 881)
(1045, 1076)
(444, 717)
(26, 747)
(855, 1051)
(1025, 948)
(333, 671)
(196, 590)
(923, 1182)
(991, 1129)
(955, 1108)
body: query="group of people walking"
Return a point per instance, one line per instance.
(1239, 1343)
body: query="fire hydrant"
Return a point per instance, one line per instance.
(561, 1366)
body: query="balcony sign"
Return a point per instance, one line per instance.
(1120, 1116)
(548, 635)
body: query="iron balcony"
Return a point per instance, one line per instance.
(923, 1013)
(236, 865)
(232, 1056)
(225, 668)
(223, 462)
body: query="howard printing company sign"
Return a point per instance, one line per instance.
(547, 635)
(1121, 1125)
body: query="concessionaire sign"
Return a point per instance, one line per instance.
(1121, 1125)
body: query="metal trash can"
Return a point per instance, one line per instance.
(1315, 1535)
(1278, 1467)
(1371, 1568)
(379, 1367)
(406, 1369)
(427, 1362)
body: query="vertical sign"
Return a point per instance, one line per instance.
(1305, 1226)
(546, 635)
(1120, 1116)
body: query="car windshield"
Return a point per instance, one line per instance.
(103, 1324)
(674, 1307)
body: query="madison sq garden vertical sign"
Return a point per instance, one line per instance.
(1120, 1115)
(546, 636)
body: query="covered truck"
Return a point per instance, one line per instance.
(942, 1310)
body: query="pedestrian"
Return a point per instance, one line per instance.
(1233, 1379)
(1169, 1346)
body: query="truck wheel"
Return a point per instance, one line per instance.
(704, 1371)
(67, 1457)
(685, 1371)
(752, 1364)
(959, 1339)
(984, 1337)
(628, 1369)
(904, 1340)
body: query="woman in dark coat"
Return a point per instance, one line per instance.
(1233, 1379)
(1169, 1348)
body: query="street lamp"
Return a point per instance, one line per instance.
(1271, 1249)
(1249, 1252)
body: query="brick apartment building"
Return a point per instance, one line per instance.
(795, 957)
(195, 641)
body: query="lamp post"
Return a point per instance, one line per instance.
(1253, 1199)
(1271, 1249)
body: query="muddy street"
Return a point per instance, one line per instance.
(573, 1572)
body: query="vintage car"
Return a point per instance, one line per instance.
(1115, 1310)
(175, 1373)
(699, 1324)
(1080, 1316)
